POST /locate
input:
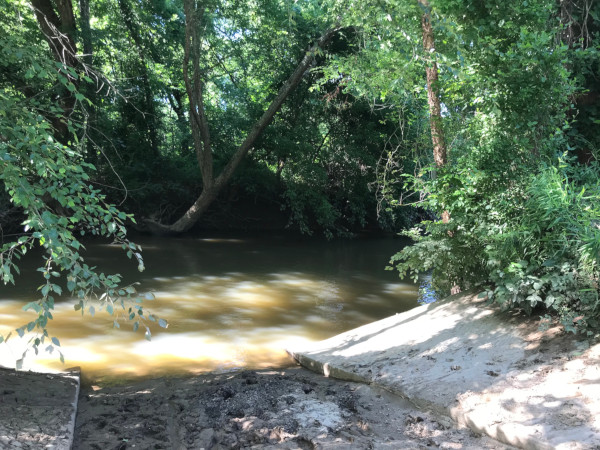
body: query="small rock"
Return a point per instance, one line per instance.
(226, 392)
(228, 440)
(206, 437)
(348, 402)
(307, 388)
(410, 419)
(236, 412)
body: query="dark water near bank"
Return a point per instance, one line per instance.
(231, 302)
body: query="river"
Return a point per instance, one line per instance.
(231, 302)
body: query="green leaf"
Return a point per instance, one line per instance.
(55, 341)
(32, 305)
(162, 323)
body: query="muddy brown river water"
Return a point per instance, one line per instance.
(232, 302)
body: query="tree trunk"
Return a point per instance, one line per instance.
(58, 27)
(194, 83)
(440, 153)
(86, 31)
(149, 107)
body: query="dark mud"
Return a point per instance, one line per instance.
(287, 409)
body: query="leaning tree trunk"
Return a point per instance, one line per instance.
(213, 184)
(440, 153)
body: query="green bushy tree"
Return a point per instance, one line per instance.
(523, 209)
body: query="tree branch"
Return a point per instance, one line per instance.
(287, 87)
(212, 189)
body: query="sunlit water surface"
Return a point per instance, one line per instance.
(230, 303)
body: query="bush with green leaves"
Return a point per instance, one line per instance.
(537, 249)
(551, 255)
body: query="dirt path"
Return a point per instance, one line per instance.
(287, 409)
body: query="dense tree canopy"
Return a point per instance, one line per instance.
(327, 116)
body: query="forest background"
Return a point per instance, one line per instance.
(473, 124)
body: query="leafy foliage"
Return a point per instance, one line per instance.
(558, 239)
(50, 183)
(523, 210)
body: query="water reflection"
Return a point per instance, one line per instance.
(426, 292)
(230, 303)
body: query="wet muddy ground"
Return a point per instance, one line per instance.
(286, 409)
